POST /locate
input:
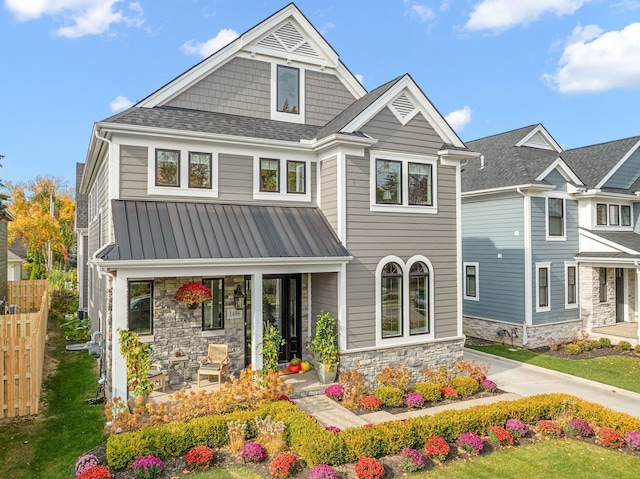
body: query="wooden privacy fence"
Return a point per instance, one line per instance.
(26, 295)
(22, 338)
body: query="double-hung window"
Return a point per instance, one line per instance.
(555, 218)
(213, 312)
(543, 281)
(471, 281)
(402, 183)
(140, 313)
(571, 284)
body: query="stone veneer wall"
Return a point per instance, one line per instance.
(414, 357)
(594, 313)
(537, 336)
(631, 299)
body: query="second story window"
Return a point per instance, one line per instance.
(388, 182)
(199, 170)
(269, 175)
(288, 90)
(296, 181)
(555, 216)
(613, 215)
(167, 167)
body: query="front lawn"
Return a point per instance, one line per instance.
(619, 371)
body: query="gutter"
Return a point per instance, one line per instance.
(528, 270)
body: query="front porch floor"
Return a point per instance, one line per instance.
(627, 331)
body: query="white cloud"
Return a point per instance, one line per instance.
(81, 17)
(593, 61)
(458, 119)
(505, 14)
(360, 77)
(423, 12)
(120, 103)
(204, 49)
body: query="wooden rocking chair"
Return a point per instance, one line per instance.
(215, 363)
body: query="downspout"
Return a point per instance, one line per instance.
(527, 267)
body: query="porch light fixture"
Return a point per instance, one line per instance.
(238, 298)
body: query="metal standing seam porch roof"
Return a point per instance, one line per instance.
(164, 230)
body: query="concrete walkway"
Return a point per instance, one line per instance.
(515, 378)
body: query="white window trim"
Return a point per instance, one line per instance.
(405, 207)
(282, 195)
(182, 190)
(539, 266)
(564, 219)
(279, 115)
(406, 337)
(567, 265)
(608, 226)
(464, 275)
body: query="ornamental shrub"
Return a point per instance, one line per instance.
(390, 396)
(355, 387)
(371, 403)
(632, 438)
(516, 427)
(85, 462)
(252, 452)
(548, 428)
(364, 442)
(395, 376)
(465, 385)
(429, 391)
(609, 437)
(200, 456)
(594, 344)
(579, 428)
(369, 468)
(471, 442)
(414, 400)
(283, 465)
(449, 393)
(436, 448)
(583, 345)
(488, 385)
(95, 472)
(322, 471)
(499, 436)
(604, 342)
(624, 346)
(412, 460)
(147, 467)
(335, 391)
(573, 349)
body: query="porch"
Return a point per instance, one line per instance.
(618, 332)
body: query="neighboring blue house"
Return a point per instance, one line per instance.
(534, 242)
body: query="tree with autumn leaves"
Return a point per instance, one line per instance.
(44, 220)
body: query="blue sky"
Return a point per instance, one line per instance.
(488, 65)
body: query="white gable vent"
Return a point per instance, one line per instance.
(287, 38)
(404, 108)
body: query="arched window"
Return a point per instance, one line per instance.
(419, 294)
(391, 294)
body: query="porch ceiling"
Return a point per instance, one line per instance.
(162, 230)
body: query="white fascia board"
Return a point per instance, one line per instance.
(527, 188)
(607, 245)
(455, 157)
(566, 172)
(91, 161)
(349, 144)
(606, 195)
(618, 165)
(542, 130)
(427, 109)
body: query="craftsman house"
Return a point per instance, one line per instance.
(550, 239)
(270, 174)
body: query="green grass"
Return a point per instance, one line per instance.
(560, 459)
(619, 371)
(49, 446)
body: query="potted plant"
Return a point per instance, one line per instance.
(193, 294)
(295, 364)
(137, 356)
(325, 347)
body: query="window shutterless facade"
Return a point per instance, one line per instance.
(388, 182)
(625, 215)
(269, 175)
(555, 217)
(288, 89)
(140, 313)
(167, 167)
(613, 215)
(571, 284)
(200, 170)
(392, 319)
(543, 286)
(471, 281)
(213, 312)
(296, 177)
(419, 291)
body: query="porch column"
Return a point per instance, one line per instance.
(256, 321)
(638, 299)
(119, 313)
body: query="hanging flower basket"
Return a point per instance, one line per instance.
(193, 294)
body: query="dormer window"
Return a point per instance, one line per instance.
(269, 175)
(167, 167)
(288, 90)
(613, 215)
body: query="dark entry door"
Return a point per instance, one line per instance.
(619, 295)
(281, 306)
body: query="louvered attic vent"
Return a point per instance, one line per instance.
(404, 108)
(287, 38)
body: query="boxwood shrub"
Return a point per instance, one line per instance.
(390, 396)
(465, 385)
(430, 391)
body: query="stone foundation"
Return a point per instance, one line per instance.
(414, 357)
(513, 334)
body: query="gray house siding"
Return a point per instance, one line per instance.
(555, 178)
(325, 97)
(627, 174)
(235, 178)
(329, 191)
(324, 295)
(493, 236)
(556, 253)
(133, 171)
(239, 87)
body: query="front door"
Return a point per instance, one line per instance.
(281, 306)
(619, 295)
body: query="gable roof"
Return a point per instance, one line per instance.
(153, 231)
(502, 163)
(594, 163)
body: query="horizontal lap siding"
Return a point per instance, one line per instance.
(373, 235)
(133, 172)
(235, 178)
(325, 97)
(489, 229)
(555, 252)
(239, 87)
(324, 294)
(329, 191)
